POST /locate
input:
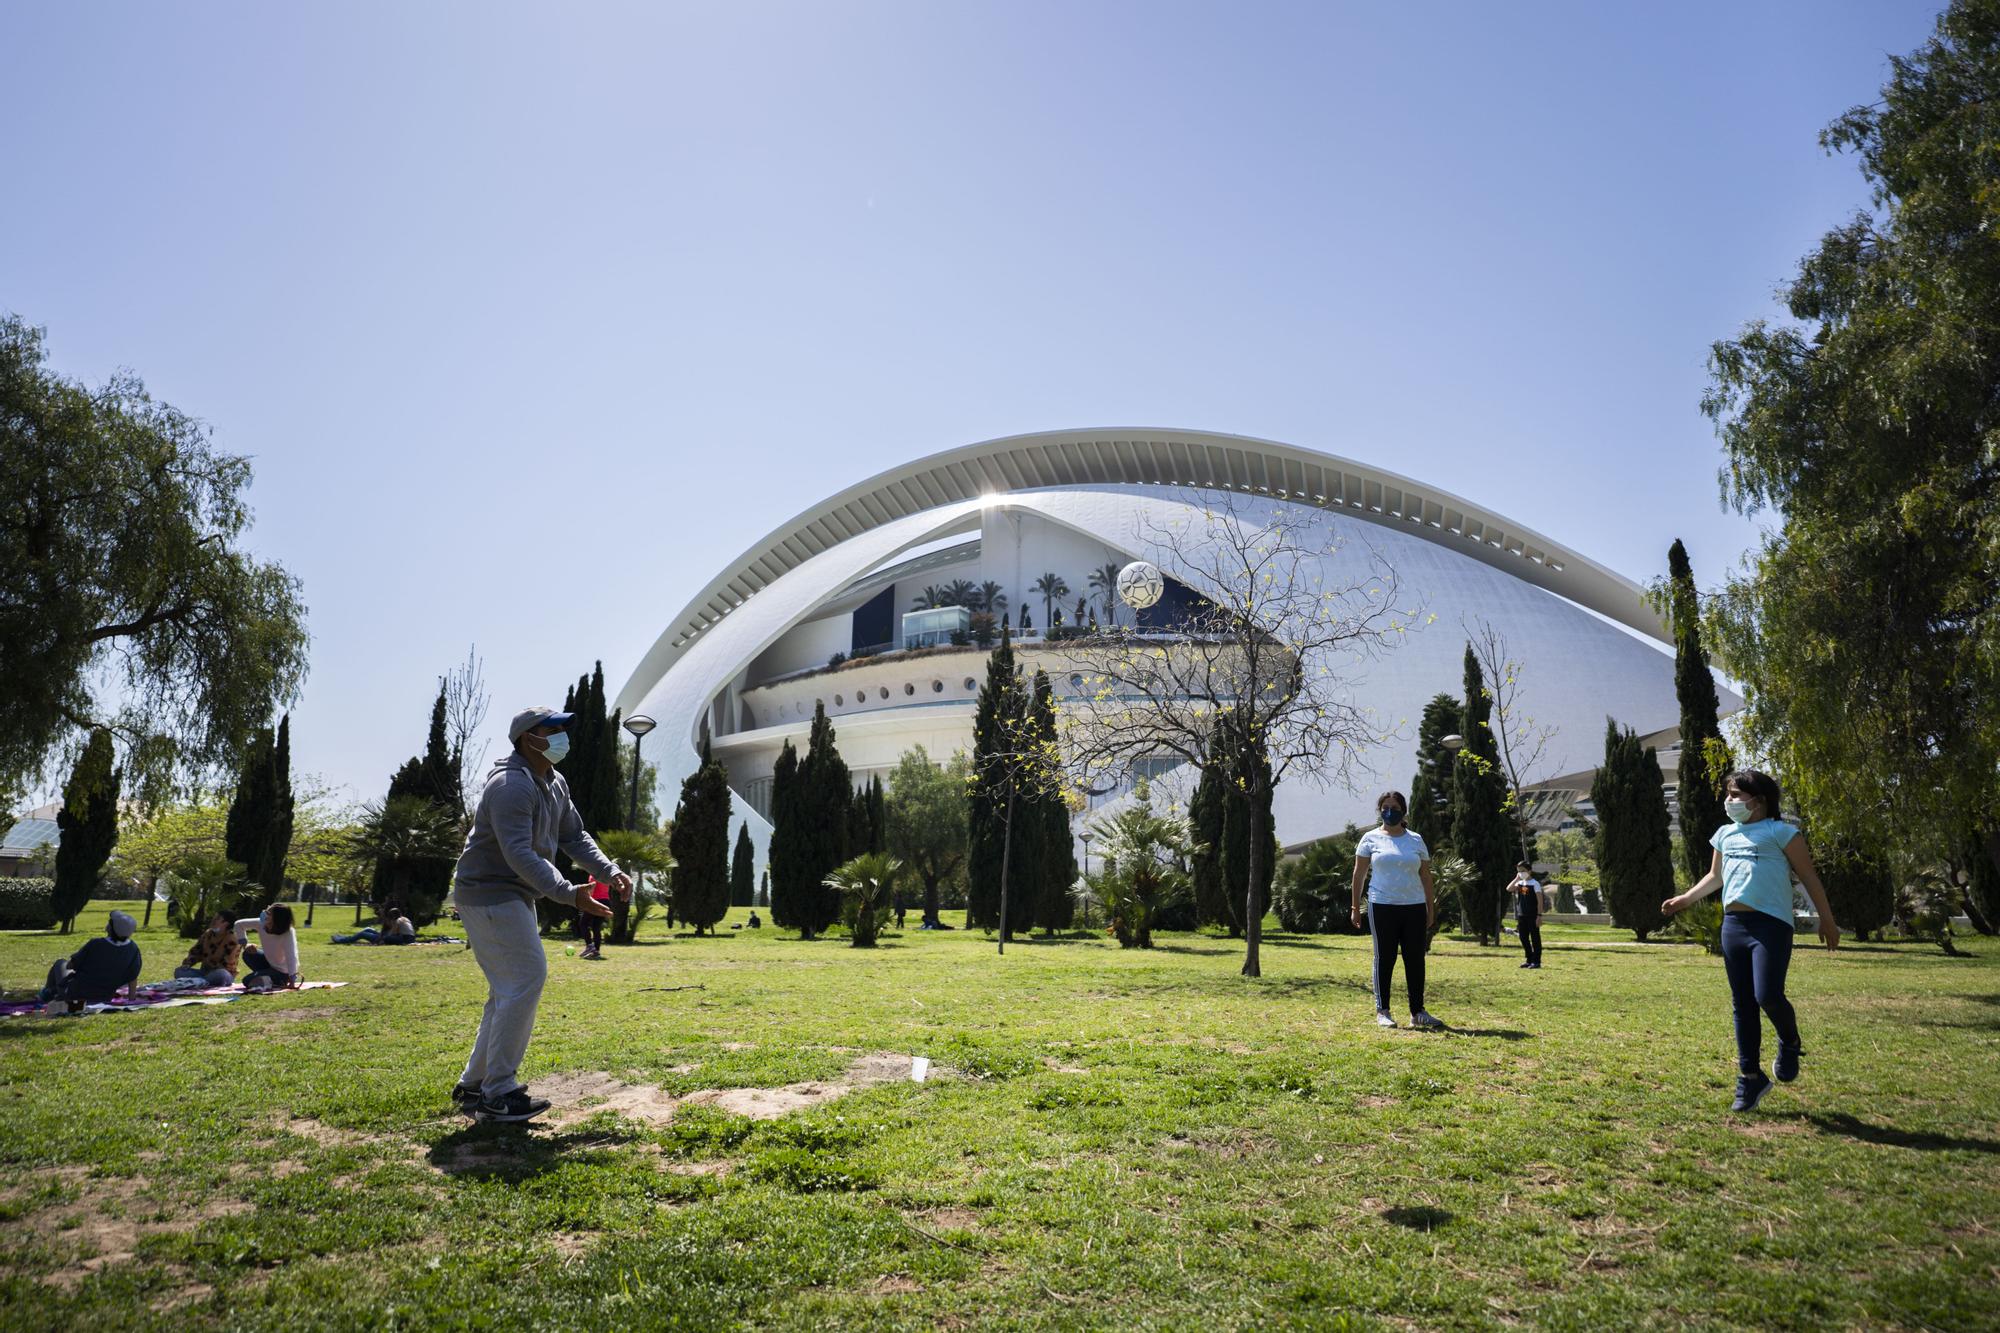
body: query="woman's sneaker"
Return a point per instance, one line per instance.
(515, 1106)
(1384, 1019)
(1786, 1066)
(1422, 1019)
(1750, 1089)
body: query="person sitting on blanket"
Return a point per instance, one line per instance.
(277, 963)
(396, 930)
(214, 957)
(98, 970)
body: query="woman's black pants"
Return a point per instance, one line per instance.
(1404, 927)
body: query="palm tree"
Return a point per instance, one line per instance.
(929, 600)
(866, 885)
(991, 599)
(1104, 581)
(636, 851)
(1050, 586)
(396, 836)
(960, 593)
(1145, 859)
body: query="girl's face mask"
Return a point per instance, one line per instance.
(1737, 810)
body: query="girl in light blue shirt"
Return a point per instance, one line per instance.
(1756, 855)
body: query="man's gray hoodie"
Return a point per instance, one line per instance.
(521, 823)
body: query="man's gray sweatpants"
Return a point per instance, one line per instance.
(508, 947)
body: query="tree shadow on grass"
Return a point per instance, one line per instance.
(515, 1152)
(1839, 1122)
(1501, 1034)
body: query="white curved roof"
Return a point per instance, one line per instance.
(1158, 457)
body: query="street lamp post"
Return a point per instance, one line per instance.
(1086, 880)
(638, 724)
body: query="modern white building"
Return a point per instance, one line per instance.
(831, 607)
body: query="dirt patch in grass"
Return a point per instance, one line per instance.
(949, 1219)
(577, 1096)
(327, 1136)
(571, 1245)
(102, 1224)
(892, 1285)
(247, 1016)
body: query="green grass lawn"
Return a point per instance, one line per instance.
(1113, 1138)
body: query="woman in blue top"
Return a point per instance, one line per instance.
(1395, 865)
(1756, 855)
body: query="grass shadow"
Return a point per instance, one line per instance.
(1500, 1034)
(1847, 1126)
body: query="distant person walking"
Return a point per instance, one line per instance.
(1756, 855)
(1527, 892)
(1394, 866)
(592, 923)
(525, 817)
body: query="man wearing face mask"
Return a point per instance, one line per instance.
(525, 817)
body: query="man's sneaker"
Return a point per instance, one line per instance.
(1750, 1090)
(1422, 1019)
(515, 1106)
(1786, 1066)
(465, 1096)
(1384, 1019)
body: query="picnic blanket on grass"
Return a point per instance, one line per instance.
(157, 995)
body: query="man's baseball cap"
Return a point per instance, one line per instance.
(529, 718)
(121, 926)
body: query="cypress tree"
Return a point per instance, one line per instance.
(1860, 887)
(1431, 788)
(1703, 765)
(700, 844)
(1481, 833)
(878, 815)
(284, 809)
(994, 723)
(89, 823)
(418, 884)
(246, 830)
(826, 792)
(1635, 856)
(1052, 868)
(785, 868)
(579, 766)
(1207, 817)
(743, 870)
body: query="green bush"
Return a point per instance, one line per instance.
(27, 904)
(1702, 923)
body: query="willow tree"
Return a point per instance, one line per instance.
(1259, 674)
(1866, 627)
(128, 599)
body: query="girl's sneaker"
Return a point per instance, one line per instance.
(1422, 1019)
(1384, 1019)
(1750, 1089)
(1786, 1066)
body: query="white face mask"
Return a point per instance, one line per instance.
(1737, 810)
(555, 747)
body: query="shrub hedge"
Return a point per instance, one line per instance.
(27, 904)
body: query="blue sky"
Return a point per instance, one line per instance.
(533, 316)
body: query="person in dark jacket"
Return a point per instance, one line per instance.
(99, 970)
(1527, 894)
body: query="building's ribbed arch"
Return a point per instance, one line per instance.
(1173, 458)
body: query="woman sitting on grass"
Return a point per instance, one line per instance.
(396, 929)
(1756, 855)
(215, 955)
(277, 962)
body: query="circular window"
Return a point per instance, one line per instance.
(1076, 681)
(971, 684)
(909, 688)
(838, 701)
(884, 691)
(937, 687)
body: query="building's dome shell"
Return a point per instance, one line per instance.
(1460, 562)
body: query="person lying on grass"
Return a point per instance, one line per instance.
(276, 964)
(99, 970)
(215, 956)
(396, 929)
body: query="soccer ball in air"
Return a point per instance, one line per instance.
(1140, 584)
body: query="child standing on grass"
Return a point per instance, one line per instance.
(1756, 855)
